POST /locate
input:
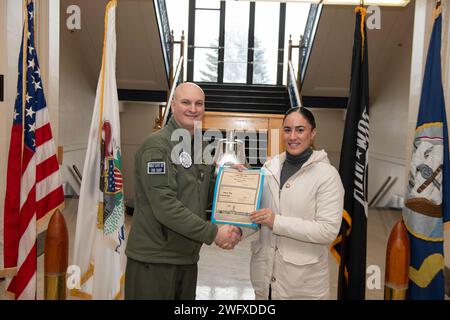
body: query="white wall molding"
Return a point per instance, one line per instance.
(74, 147)
(386, 158)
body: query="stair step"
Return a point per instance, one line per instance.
(246, 92)
(275, 99)
(249, 103)
(277, 108)
(232, 97)
(240, 87)
(244, 109)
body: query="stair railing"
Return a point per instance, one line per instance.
(383, 192)
(76, 173)
(164, 31)
(293, 80)
(168, 108)
(292, 87)
(173, 42)
(377, 194)
(174, 81)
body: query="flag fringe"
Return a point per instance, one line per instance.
(8, 272)
(429, 124)
(421, 237)
(78, 293)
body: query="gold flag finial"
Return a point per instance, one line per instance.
(438, 9)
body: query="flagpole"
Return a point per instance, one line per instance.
(34, 24)
(341, 276)
(24, 75)
(35, 48)
(108, 6)
(102, 94)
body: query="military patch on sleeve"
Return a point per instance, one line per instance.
(156, 168)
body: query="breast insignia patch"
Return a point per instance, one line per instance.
(156, 168)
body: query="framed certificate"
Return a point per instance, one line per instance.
(236, 195)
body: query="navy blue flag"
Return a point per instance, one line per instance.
(427, 195)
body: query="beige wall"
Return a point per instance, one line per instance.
(330, 129)
(136, 123)
(388, 125)
(77, 97)
(78, 85)
(388, 128)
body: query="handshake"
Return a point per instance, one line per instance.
(228, 236)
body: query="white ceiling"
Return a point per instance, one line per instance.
(328, 71)
(140, 63)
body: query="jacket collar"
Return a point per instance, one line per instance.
(172, 125)
(275, 165)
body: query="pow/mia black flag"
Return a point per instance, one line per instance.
(350, 246)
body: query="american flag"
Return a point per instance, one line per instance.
(114, 178)
(117, 179)
(34, 190)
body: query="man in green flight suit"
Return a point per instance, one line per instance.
(169, 221)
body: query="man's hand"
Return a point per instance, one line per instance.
(263, 217)
(228, 236)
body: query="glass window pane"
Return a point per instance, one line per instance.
(178, 12)
(236, 41)
(207, 28)
(296, 17)
(266, 43)
(205, 65)
(214, 4)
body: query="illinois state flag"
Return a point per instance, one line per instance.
(428, 194)
(33, 184)
(100, 231)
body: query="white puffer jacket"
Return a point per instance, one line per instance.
(293, 258)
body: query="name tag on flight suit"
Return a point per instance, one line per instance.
(156, 168)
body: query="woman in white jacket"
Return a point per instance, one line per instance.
(302, 205)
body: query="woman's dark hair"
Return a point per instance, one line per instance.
(305, 113)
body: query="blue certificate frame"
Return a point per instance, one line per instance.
(216, 219)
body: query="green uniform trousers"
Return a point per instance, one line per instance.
(160, 281)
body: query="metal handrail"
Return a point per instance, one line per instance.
(292, 86)
(164, 31)
(173, 42)
(176, 81)
(76, 173)
(312, 23)
(386, 190)
(379, 191)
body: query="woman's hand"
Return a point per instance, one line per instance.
(263, 216)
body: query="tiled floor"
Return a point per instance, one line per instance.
(224, 274)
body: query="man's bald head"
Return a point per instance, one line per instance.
(188, 105)
(187, 86)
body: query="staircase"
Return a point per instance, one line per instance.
(245, 98)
